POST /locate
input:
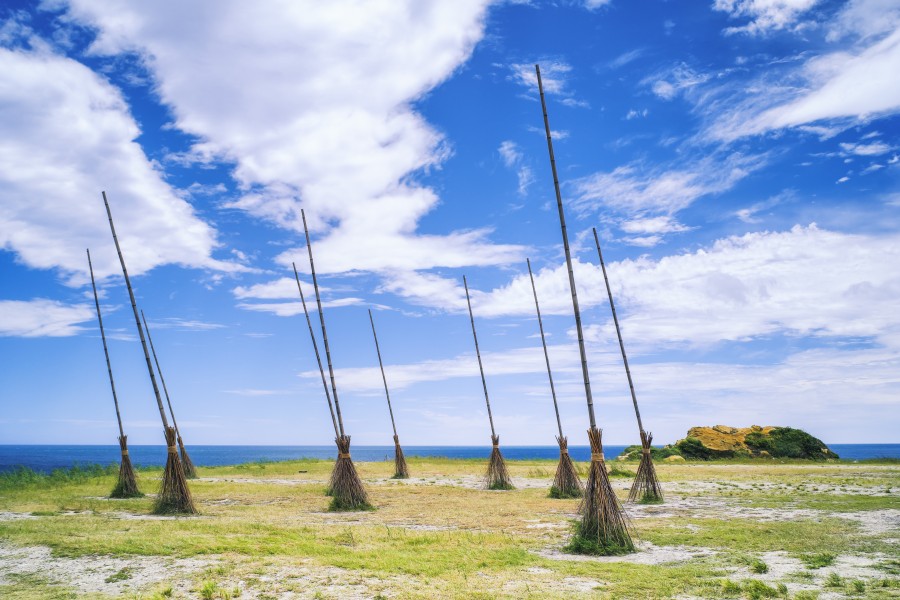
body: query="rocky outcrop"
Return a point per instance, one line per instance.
(722, 441)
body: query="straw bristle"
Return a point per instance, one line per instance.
(646, 488)
(189, 471)
(497, 476)
(347, 489)
(566, 484)
(401, 471)
(126, 486)
(604, 527)
(174, 495)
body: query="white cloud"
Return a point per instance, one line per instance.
(802, 282)
(554, 74)
(512, 158)
(42, 318)
(873, 149)
(73, 136)
(668, 84)
(595, 4)
(295, 124)
(634, 190)
(290, 309)
(764, 15)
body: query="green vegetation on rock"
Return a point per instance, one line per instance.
(723, 442)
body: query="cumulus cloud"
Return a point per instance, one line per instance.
(73, 136)
(42, 318)
(274, 89)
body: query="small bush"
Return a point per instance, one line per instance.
(759, 567)
(834, 580)
(817, 561)
(756, 589)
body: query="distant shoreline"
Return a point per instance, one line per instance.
(46, 457)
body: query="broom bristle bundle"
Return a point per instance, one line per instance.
(174, 495)
(347, 489)
(189, 470)
(401, 471)
(604, 527)
(646, 488)
(126, 485)
(497, 477)
(566, 484)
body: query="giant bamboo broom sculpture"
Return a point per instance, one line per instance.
(126, 485)
(189, 471)
(312, 336)
(401, 471)
(347, 488)
(646, 487)
(497, 477)
(604, 528)
(566, 484)
(174, 495)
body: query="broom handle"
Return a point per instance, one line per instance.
(565, 237)
(612, 305)
(478, 354)
(383, 378)
(159, 370)
(137, 320)
(112, 384)
(312, 269)
(544, 342)
(316, 348)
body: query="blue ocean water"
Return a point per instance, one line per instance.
(45, 458)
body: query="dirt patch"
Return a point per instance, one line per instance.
(12, 516)
(647, 554)
(90, 574)
(874, 522)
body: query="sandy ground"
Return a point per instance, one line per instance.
(278, 578)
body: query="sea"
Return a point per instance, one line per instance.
(46, 458)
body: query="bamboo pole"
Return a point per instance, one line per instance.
(612, 305)
(312, 268)
(346, 488)
(318, 357)
(387, 393)
(537, 308)
(497, 476)
(565, 237)
(604, 528)
(174, 495)
(126, 485)
(112, 383)
(646, 487)
(566, 483)
(189, 470)
(137, 320)
(478, 354)
(401, 470)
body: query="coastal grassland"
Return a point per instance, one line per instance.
(740, 529)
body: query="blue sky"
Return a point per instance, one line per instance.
(739, 158)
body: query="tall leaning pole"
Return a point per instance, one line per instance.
(174, 495)
(646, 487)
(401, 470)
(126, 486)
(566, 483)
(189, 470)
(604, 528)
(347, 490)
(497, 476)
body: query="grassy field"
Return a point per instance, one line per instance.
(726, 530)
